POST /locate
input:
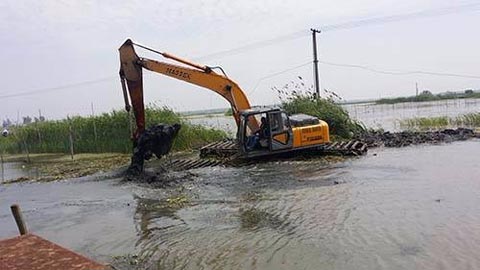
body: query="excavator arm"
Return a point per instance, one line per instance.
(131, 66)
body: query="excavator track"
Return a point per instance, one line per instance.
(221, 149)
(224, 153)
(194, 163)
(346, 148)
(228, 148)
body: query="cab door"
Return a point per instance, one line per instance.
(281, 135)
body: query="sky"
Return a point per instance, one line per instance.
(60, 57)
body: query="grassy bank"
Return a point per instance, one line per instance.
(52, 167)
(427, 96)
(471, 120)
(106, 133)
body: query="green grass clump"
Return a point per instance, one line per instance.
(428, 123)
(471, 120)
(425, 123)
(106, 133)
(302, 100)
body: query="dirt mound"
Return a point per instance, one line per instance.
(405, 138)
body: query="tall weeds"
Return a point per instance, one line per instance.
(297, 98)
(109, 132)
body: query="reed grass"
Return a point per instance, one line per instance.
(105, 133)
(297, 98)
(471, 120)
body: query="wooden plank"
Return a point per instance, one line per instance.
(33, 252)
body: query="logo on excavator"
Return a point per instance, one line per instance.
(178, 73)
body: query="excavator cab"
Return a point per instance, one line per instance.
(274, 134)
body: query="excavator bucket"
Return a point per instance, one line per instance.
(156, 140)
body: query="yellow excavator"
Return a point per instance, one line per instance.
(261, 132)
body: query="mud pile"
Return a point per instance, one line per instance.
(156, 140)
(406, 138)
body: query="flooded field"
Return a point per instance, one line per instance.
(385, 116)
(415, 207)
(403, 208)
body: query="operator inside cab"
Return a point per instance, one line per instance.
(264, 131)
(260, 138)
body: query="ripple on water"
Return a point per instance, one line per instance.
(410, 208)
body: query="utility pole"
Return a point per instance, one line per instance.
(315, 61)
(94, 129)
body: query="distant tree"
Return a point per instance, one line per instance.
(469, 91)
(447, 95)
(27, 120)
(6, 123)
(39, 119)
(426, 93)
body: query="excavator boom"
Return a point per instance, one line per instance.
(131, 66)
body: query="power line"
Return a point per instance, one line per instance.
(52, 89)
(401, 73)
(253, 45)
(397, 73)
(347, 25)
(402, 17)
(303, 33)
(276, 74)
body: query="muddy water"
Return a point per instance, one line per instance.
(409, 208)
(93, 217)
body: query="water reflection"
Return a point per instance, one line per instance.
(245, 219)
(408, 208)
(400, 209)
(157, 222)
(252, 218)
(151, 215)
